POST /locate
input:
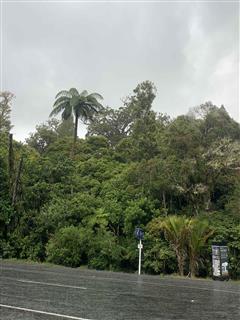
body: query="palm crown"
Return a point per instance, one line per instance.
(82, 105)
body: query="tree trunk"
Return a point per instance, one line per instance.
(180, 260)
(75, 129)
(192, 268)
(75, 136)
(17, 180)
(164, 199)
(10, 163)
(171, 203)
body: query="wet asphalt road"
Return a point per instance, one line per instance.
(63, 293)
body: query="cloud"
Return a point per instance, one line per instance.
(190, 52)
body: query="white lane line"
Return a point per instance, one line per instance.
(42, 312)
(162, 284)
(51, 284)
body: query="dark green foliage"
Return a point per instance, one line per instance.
(112, 124)
(66, 247)
(6, 209)
(134, 168)
(48, 133)
(5, 111)
(158, 256)
(105, 251)
(233, 203)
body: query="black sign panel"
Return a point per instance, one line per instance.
(220, 261)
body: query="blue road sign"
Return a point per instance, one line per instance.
(139, 234)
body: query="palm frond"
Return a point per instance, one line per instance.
(63, 93)
(84, 93)
(93, 101)
(75, 101)
(57, 109)
(60, 100)
(67, 112)
(84, 114)
(74, 92)
(96, 95)
(91, 108)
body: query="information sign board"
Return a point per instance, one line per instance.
(220, 262)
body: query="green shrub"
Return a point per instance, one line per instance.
(66, 247)
(159, 257)
(105, 252)
(6, 250)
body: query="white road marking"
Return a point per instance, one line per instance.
(162, 284)
(42, 312)
(51, 284)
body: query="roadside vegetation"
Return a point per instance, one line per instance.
(76, 202)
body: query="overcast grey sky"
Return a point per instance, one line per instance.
(190, 50)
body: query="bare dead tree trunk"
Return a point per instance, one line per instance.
(17, 180)
(10, 163)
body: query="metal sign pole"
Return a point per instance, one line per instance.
(139, 234)
(140, 256)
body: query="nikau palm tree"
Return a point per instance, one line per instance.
(81, 105)
(199, 232)
(187, 236)
(176, 231)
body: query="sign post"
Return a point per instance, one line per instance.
(140, 246)
(139, 234)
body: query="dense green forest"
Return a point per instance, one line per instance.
(76, 202)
